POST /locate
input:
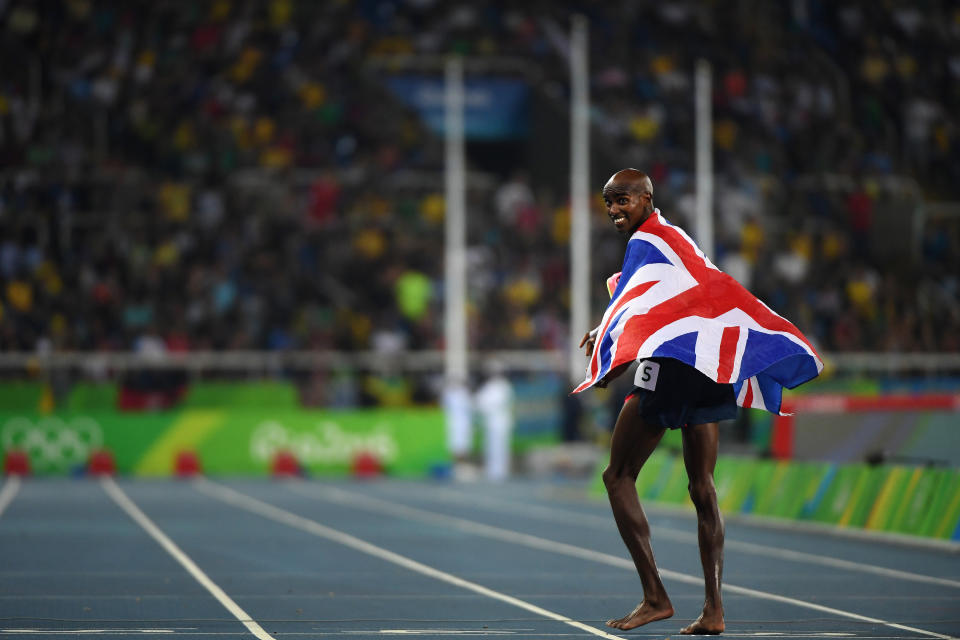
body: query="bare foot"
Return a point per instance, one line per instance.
(707, 624)
(644, 613)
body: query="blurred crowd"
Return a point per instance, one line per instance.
(233, 174)
(833, 124)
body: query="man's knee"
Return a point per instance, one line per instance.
(616, 476)
(703, 493)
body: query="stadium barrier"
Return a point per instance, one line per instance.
(919, 501)
(876, 461)
(196, 363)
(236, 427)
(232, 428)
(919, 427)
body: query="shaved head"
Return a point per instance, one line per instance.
(628, 195)
(628, 181)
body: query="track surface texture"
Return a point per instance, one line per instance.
(231, 558)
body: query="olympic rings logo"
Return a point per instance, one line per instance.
(52, 443)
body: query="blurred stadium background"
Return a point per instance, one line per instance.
(223, 224)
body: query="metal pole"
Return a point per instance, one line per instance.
(579, 195)
(703, 227)
(455, 263)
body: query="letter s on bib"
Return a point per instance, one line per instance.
(646, 376)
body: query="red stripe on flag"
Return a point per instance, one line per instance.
(748, 399)
(728, 351)
(636, 292)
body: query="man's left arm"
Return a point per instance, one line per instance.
(613, 374)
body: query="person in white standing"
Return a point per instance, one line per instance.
(459, 424)
(494, 402)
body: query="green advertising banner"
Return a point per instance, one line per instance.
(734, 479)
(899, 499)
(229, 441)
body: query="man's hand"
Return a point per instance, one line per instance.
(589, 339)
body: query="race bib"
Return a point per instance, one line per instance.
(646, 376)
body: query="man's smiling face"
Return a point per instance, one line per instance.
(627, 207)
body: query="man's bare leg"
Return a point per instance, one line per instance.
(632, 443)
(700, 444)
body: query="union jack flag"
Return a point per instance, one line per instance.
(671, 301)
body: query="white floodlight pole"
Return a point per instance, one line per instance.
(579, 195)
(704, 159)
(455, 249)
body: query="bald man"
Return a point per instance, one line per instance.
(682, 398)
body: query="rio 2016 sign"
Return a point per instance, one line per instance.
(408, 441)
(327, 443)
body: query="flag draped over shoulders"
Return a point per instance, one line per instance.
(671, 301)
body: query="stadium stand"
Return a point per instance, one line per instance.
(234, 175)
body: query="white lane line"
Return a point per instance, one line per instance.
(170, 547)
(288, 518)
(634, 634)
(838, 563)
(444, 632)
(360, 501)
(9, 491)
(527, 633)
(678, 535)
(78, 632)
